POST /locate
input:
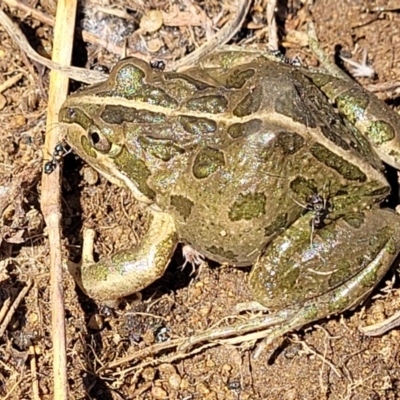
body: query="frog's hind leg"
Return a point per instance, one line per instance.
(346, 261)
(372, 117)
(131, 270)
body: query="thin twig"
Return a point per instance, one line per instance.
(50, 201)
(14, 306)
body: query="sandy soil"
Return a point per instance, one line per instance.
(330, 360)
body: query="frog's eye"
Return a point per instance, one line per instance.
(98, 140)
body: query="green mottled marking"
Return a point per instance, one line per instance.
(310, 312)
(320, 80)
(136, 170)
(276, 226)
(238, 130)
(162, 149)
(197, 126)
(378, 240)
(248, 206)
(128, 80)
(250, 104)
(238, 78)
(353, 104)
(155, 96)
(119, 114)
(337, 302)
(379, 132)
(343, 167)
(207, 161)
(208, 104)
(220, 251)
(182, 205)
(391, 246)
(87, 147)
(289, 142)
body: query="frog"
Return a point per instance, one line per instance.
(249, 161)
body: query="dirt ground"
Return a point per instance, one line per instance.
(329, 360)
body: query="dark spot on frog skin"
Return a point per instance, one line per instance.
(238, 78)
(291, 103)
(289, 142)
(333, 137)
(248, 206)
(276, 226)
(239, 130)
(343, 167)
(381, 192)
(119, 114)
(207, 161)
(208, 104)
(250, 103)
(197, 126)
(163, 149)
(303, 187)
(182, 205)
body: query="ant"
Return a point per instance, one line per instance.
(158, 65)
(319, 206)
(59, 152)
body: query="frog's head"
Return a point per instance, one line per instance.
(99, 121)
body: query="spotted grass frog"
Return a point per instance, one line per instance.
(228, 156)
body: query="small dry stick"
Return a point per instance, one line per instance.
(35, 382)
(10, 82)
(78, 74)
(14, 306)
(382, 327)
(50, 201)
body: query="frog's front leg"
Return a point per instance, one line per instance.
(131, 270)
(347, 259)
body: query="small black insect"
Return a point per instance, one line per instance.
(318, 205)
(157, 65)
(60, 151)
(162, 334)
(234, 385)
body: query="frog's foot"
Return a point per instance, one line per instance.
(346, 261)
(128, 271)
(191, 256)
(361, 69)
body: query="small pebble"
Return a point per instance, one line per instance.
(151, 21)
